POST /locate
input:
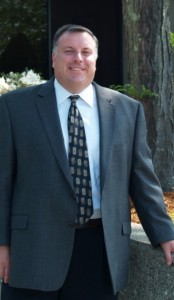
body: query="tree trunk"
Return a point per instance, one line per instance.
(148, 56)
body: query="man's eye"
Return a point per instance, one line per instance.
(86, 53)
(68, 51)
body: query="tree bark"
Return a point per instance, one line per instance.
(148, 57)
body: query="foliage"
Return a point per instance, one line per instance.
(172, 39)
(136, 92)
(12, 81)
(28, 17)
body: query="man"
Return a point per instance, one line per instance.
(54, 244)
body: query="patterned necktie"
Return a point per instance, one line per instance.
(79, 163)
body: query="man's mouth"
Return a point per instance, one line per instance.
(76, 69)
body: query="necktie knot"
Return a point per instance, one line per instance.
(74, 98)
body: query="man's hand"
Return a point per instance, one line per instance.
(4, 262)
(168, 249)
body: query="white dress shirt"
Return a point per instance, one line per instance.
(87, 105)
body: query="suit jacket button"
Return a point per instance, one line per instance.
(74, 196)
(72, 224)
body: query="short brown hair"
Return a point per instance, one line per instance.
(73, 28)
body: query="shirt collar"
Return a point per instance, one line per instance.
(88, 94)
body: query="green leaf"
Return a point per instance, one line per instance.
(136, 92)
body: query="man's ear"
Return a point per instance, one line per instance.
(53, 58)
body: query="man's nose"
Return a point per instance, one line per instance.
(78, 56)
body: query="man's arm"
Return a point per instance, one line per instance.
(146, 192)
(6, 185)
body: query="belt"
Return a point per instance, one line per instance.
(92, 223)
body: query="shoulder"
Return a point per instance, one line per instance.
(25, 93)
(115, 97)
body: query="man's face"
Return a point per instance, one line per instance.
(74, 60)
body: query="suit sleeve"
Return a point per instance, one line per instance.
(7, 167)
(145, 189)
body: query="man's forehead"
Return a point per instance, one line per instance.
(75, 36)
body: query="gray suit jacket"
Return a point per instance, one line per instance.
(37, 203)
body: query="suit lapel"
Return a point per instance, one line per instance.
(106, 125)
(47, 107)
